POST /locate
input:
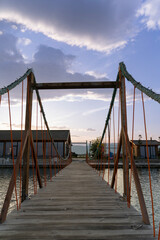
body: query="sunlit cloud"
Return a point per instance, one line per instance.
(97, 28)
(96, 75)
(24, 41)
(149, 12)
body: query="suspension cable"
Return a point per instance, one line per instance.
(104, 166)
(109, 113)
(33, 173)
(36, 141)
(159, 232)
(132, 146)
(109, 139)
(9, 106)
(116, 177)
(20, 164)
(49, 155)
(138, 85)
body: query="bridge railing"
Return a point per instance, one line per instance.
(124, 147)
(21, 165)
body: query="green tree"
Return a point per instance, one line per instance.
(93, 148)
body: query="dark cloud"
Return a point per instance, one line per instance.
(99, 25)
(49, 65)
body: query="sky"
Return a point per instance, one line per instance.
(83, 40)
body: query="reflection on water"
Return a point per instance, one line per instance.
(144, 179)
(5, 175)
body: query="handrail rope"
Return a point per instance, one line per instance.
(148, 164)
(127, 166)
(132, 146)
(20, 164)
(138, 85)
(36, 141)
(114, 137)
(16, 82)
(9, 106)
(109, 113)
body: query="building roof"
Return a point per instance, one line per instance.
(143, 142)
(58, 135)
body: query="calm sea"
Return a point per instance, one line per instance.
(80, 149)
(5, 175)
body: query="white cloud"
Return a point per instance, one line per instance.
(92, 111)
(24, 41)
(97, 25)
(79, 98)
(96, 75)
(150, 12)
(14, 27)
(1, 32)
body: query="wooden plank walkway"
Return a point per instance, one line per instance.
(76, 205)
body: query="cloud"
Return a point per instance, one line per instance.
(14, 27)
(92, 111)
(1, 32)
(24, 41)
(50, 65)
(149, 12)
(95, 74)
(97, 25)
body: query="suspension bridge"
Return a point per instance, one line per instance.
(76, 202)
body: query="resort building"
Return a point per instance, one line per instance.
(140, 150)
(61, 138)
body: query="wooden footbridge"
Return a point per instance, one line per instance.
(76, 203)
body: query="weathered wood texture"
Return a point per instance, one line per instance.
(77, 204)
(75, 85)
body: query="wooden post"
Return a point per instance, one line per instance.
(26, 156)
(138, 185)
(124, 127)
(12, 180)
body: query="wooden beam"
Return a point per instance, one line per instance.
(75, 85)
(26, 157)
(124, 126)
(36, 162)
(138, 185)
(12, 180)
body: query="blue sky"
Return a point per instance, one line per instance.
(83, 40)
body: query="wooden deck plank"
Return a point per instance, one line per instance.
(77, 204)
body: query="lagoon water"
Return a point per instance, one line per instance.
(5, 175)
